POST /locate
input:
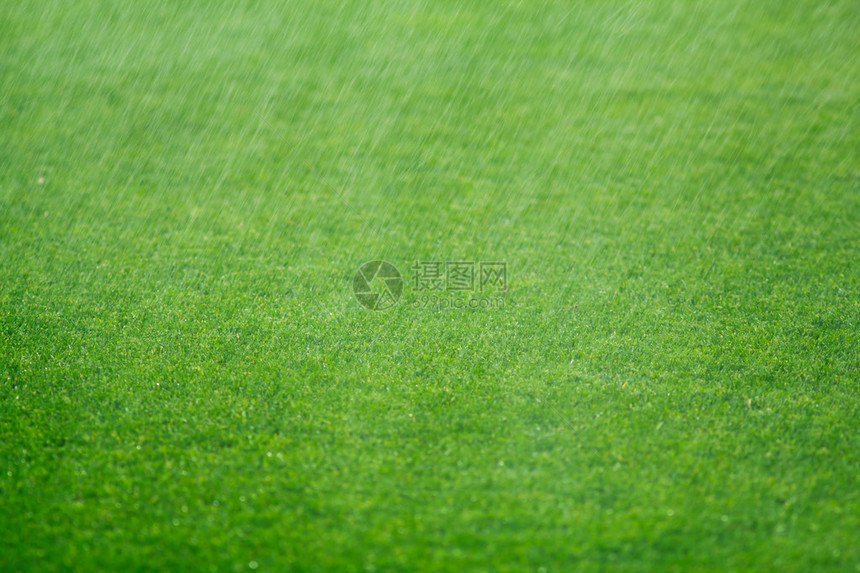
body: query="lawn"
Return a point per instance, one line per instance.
(664, 376)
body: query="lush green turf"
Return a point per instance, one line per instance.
(186, 381)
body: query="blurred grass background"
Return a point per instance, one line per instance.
(187, 189)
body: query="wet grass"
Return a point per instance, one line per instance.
(187, 383)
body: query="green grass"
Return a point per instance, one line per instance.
(187, 382)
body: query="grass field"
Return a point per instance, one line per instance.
(670, 381)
